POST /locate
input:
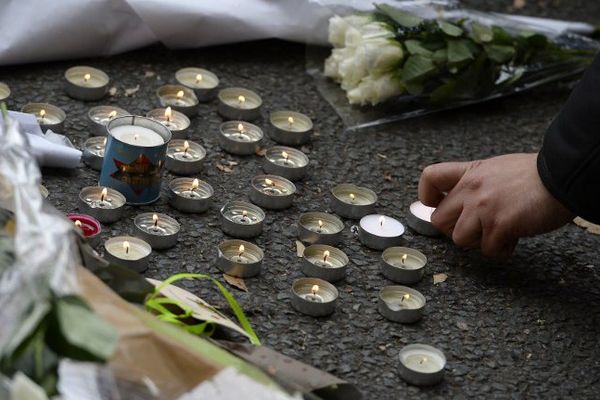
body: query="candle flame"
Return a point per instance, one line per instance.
(381, 220)
(155, 219)
(180, 94)
(405, 297)
(195, 184)
(241, 128)
(42, 113)
(126, 246)
(112, 114)
(423, 360)
(352, 197)
(285, 155)
(325, 255)
(314, 289)
(241, 99)
(136, 136)
(186, 146)
(244, 213)
(78, 223)
(269, 182)
(404, 257)
(168, 114)
(320, 224)
(103, 194)
(198, 78)
(291, 120)
(241, 250)
(86, 77)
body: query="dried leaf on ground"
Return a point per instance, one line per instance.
(149, 74)
(261, 151)
(235, 282)
(223, 168)
(131, 91)
(112, 91)
(589, 227)
(381, 156)
(387, 176)
(439, 278)
(518, 4)
(462, 325)
(299, 248)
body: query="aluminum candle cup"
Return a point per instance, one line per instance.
(128, 251)
(87, 226)
(421, 364)
(47, 115)
(239, 137)
(179, 98)
(379, 232)
(86, 83)
(178, 123)
(44, 191)
(320, 227)
(203, 82)
(351, 201)
(190, 195)
(290, 128)
(324, 262)
(419, 219)
(134, 157)
(93, 152)
(403, 265)
(103, 203)
(100, 116)
(239, 104)
(4, 91)
(401, 304)
(272, 192)
(239, 258)
(242, 220)
(284, 161)
(159, 230)
(185, 157)
(314, 297)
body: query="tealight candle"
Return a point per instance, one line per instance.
(128, 251)
(351, 201)
(178, 123)
(100, 116)
(190, 195)
(290, 128)
(4, 91)
(86, 83)
(159, 230)
(44, 191)
(401, 304)
(314, 297)
(203, 82)
(134, 158)
(287, 162)
(239, 258)
(403, 265)
(104, 204)
(421, 364)
(419, 219)
(379, 232)
(47, 115)
(179, 98)
(93, 152)
(272, 192)
(324, 262)
(184, 157)
(239, 137)
(242, 220)
(87, 226)
(320, 227)
(239, 104)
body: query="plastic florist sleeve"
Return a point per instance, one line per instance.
(414, 58)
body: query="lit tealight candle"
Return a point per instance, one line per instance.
(380, 232)
(240, 138)
(179, 98)
(203, 82)
(351, 201)
(320, 227)
(290, 128)
(242, 220)
(401, 304)
(287, 162)
(128, 251)
(104, 204)
(190, 195)
(99, 116)
(47, 115)
(86, 83)
(239, 258)
(324, 262)
(239, 104)
(88, 226)
(314, 296)
(159, 230)
(178, 123)
(421, 364)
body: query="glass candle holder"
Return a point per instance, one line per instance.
(178, 123)
(242, 220)
(419, 219)
(190, 195)
(324, 262)
(379, 232)
(100, 116)
(284, 161)
(203, 82)
(239, 258)
(320, 227)
(185, 157)
(47, 115)
(403, 265)
(128, 251)
(351, 201)
(239, 104)
(159, 230)
(314, 297)
(421, 364)
(93, 152)
(4, 91)
(290, 128)
(401, 304)
(239, 137)
(179, 98)
(272, 192)
(86, 83)
(103, 203)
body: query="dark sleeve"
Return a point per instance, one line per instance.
(569, 162)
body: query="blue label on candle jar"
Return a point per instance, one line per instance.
(134, 170)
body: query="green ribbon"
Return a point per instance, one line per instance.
(158, 305)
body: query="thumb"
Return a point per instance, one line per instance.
(439, 179)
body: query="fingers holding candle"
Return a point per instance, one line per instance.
(439, 179)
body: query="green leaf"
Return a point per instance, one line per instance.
(440, 57)
(533, 39)
(499, 54)
(481, 33)
(443, 93)
(416, 67)
(414, 88)
(501, 36)
(450, 29)
(459, 51)
(400, 17)
(415, 47)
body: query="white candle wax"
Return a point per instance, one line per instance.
(135, 250)
(421, 211)
(421, 360)
(197, 78)
(137, 136)
(389, 228)
(410, 262)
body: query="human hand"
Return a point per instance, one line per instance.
(491, 203)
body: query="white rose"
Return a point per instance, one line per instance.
(338, 27)
(380, 55)
(352, 68)
(373, 90)
(332, 63)
(375, 29)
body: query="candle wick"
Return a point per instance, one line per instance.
(127, 250)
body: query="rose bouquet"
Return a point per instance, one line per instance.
(462, 56)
